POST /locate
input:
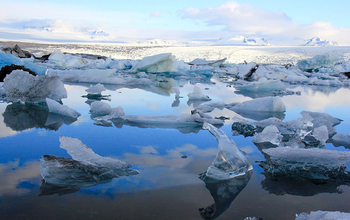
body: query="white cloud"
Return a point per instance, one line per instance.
(245, 19)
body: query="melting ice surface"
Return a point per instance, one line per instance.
(230, 161)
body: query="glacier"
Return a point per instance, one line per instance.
(84, 169)
(230, 161)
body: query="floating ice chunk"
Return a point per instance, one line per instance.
(314, 164)
(209, 107)
(8, 59)
(230, 161)
(321, 134)
(83, 73)
(270, 134)
(55, 107)
(100, 108)
(341, 140)
(266, 104)
(246, 70)
(318, 119)
(197, 95)
(203, 62)
(164, 62)
(84, 169)
(65, 61)
(323, 215)
(313, 64)
(262, 85)
(20, 85)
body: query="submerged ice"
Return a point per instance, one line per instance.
(230, 161)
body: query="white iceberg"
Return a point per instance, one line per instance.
(164, 62)
(262, 85)
(270, 134)
(197, 95)
(103, 111)
(20, 85)
(314, 164)
(96, 89)
(323, 215)
(230, 161)
(66, 61)
(57, 108)
(265, 104)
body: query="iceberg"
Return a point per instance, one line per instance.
(64, 61)
(266, 104)
(323, 215)
(314, 164)
(230, 161)
(96, 89)
(164, 62)
(270, 134)
(341, 140)
(55, 107)
(85, 169)
(197, 95)
(21, 86)
(317, 62)
(9, 59)
(102, 112)
(262, 85)
(223, 193)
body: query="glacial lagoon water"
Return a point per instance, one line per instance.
(169, 160)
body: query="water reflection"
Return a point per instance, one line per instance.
(20, 117)
(285, 185)
(223, 193)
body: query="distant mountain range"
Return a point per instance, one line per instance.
(319, 42)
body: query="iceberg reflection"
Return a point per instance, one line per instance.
(20, 117)
(223, 192)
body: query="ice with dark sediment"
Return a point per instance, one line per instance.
(84, 169)
(230, 161)
(314, 164)
(8, 59)
(21, 86)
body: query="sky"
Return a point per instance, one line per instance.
(281, 22)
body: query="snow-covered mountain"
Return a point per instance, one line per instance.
(316, 41)
(242, 40)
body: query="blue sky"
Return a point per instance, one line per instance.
(281, 21)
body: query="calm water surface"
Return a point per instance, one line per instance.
(168, 185)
